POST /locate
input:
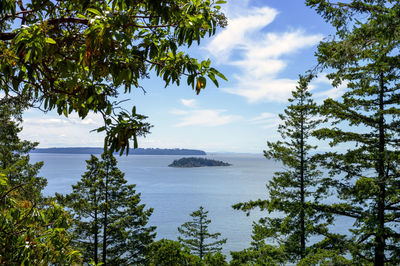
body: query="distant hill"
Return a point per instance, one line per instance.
(196, 162)
(139, 151)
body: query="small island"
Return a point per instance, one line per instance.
(196, 162)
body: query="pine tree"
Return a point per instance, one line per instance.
(195, 235)
(291, 191)
(110, 222)
(364, 169)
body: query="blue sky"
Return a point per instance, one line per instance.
(264, 48)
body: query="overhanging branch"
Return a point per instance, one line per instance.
(7, 36)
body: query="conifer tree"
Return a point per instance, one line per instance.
(195, 235)
(364, 169)
(14, 153)
(111, 225)
(33, 229)
(291, 191)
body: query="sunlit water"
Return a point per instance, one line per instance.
(174, 193)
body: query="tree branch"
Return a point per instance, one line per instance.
(6, 36)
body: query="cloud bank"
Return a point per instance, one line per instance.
(202, 117)
(259, 55)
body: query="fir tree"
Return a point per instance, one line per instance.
(110, 222)
(291, 191)
(195, 235)
(364, 170)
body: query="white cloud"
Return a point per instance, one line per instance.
(264, 89)
(238, 27)
(263, 117)
(189, 102)
(53, 131)
(266, 120)
(205, 118)
(258, 54)
(94, 119)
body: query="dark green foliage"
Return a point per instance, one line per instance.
(196, 162)
(195, 236)
(291, 191)
(261, 255)
(14, 153)
(168, 252)
(110, 223)
(33, 230)
(364, 169)
(72, 56)
(216, 259)
(326, 258)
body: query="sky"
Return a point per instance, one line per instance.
(262, 51)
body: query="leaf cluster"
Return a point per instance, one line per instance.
(77, 56)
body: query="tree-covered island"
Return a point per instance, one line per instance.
(196, 162)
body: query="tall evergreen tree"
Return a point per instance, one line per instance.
(364, 169)
(33, 230)
(195, 235)
(110, 222)
(14, 153)
(291, 191)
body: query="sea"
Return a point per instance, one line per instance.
(174, 193)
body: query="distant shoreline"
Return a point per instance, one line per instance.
(138, 151)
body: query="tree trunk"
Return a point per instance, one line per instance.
(105, 220)
(201, 239)
(380, 242)
(302, 214)
(96, 240)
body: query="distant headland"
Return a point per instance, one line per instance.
(139, 151)
(196, 162)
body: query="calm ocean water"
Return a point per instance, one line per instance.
(174, 193)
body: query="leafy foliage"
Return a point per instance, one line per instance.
(14, 153)
(216, 259)
(168, 252)
(261, 255)
(110, 223)
(195, 235)
(73, 56)
(33, 230)
(364, 170)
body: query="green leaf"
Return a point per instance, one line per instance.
(50, 40)
(27, 55)
(219, 74)
(80, 16)
(94, 11)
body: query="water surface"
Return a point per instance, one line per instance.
(174, 193)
